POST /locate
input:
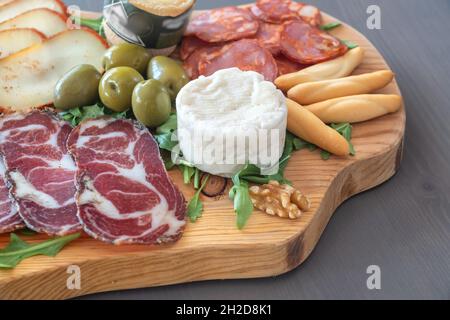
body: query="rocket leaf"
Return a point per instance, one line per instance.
(19, 250)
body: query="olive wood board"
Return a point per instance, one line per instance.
(213, 248)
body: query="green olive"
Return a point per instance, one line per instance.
(116, 87)
(151, 103)
(77, 88)
(127, 55)
(169, 72)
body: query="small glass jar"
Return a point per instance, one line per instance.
(125, 22)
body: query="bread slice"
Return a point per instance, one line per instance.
(166, 8)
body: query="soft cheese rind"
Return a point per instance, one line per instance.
(230, 103)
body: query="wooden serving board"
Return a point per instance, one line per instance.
(213, 248)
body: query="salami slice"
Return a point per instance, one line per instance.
(224, 24)
(274, 11)
(286, 66)
(269, 36)
(199, 57)
(278, 11)
(245, 54)
(189, 45)
(310, 14)
(305, 44)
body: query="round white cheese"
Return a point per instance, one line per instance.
(231, 118)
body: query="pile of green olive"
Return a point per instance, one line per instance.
(123, 85)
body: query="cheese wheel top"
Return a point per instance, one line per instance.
(167, 8)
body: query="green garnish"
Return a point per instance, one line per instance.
(195, 206)
(350, 44)
(27, 232)
(164, 134)
(242, 202)
(19, 250)
(94, 24)
(330, 26)
(76, 115)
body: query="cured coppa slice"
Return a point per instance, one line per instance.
(278, 11)
(269, 36)
(224, 24)
(9, 217)
(245, 54)
(40, 170)
(305, 44)
(124, 192)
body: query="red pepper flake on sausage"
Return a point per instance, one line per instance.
(224, 24)
(305, 44)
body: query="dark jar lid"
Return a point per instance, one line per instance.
(143, 28)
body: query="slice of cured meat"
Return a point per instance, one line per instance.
(278, 11)
(310, 14)
(200, 58)
(124, 192)
(309, 45)
(189, 45)
(275, 11)
(286, 66)
(40, 170)
(224, 24)
(245, 54)
(9, 216)
(269, 36)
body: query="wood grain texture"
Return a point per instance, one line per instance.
(213, 248)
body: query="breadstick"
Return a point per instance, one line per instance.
(333, 69)
(313, 92)
(356, 108)
(307, 126)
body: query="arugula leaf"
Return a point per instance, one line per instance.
(170, 126)
(330, 26)
(345, 129)
(242, 202)
(166, 141)
(188, 172)
(350, 44)
(19, 250)
(195, 206)
(76, 115)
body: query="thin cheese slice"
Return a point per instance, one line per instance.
(15, 40)
(44, 20)
(14, 8)
(28, 78)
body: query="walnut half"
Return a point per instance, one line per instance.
(281, 200)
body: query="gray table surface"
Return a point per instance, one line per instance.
(402, 226)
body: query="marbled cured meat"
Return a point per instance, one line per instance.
(189, 45)
(269, 36)
(278, 11)
(9, 216)
(286, 66)
(224, 24)
(124, 192)
(305, 44)
(40, 170)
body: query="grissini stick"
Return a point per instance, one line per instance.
(313, 92)
(309, 127)
(356, 108)
(333, 69)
